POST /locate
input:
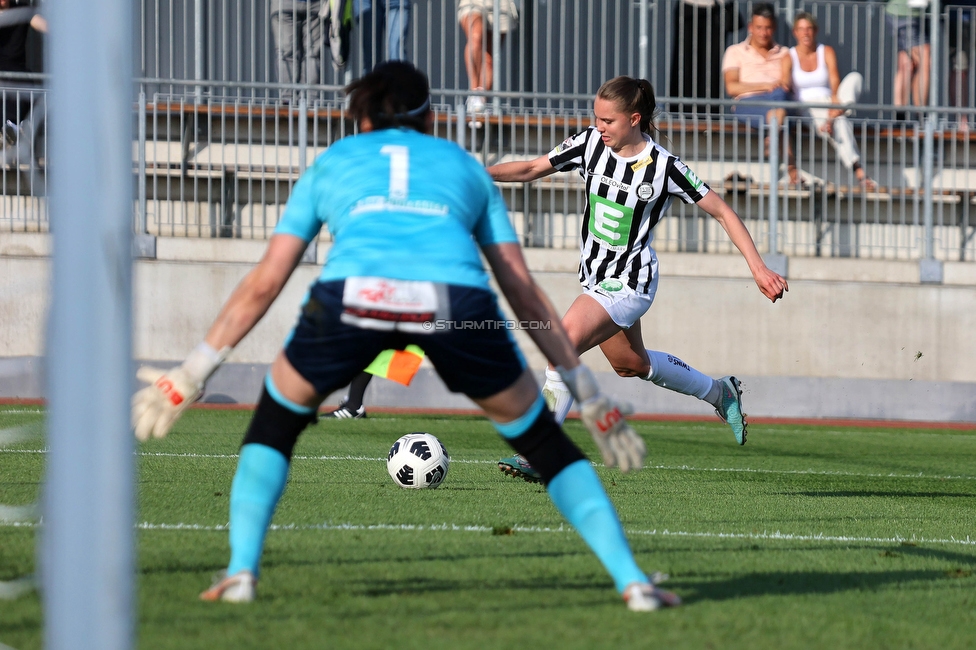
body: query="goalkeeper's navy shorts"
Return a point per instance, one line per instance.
(344, 324)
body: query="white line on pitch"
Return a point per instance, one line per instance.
(690, 468)
(673, 468)
(16, 435)
(13, 589)
(767, 536)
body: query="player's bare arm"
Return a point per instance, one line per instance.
(257, 291)
(522, 171)
(771, 284)
(530, 303)
(156, 407)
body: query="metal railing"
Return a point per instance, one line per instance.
(559, 47)
(23, 153)
(225, 168)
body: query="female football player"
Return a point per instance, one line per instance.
(408, 213)
(630, 182)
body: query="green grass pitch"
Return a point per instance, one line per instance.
(807, 537)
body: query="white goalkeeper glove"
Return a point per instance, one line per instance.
(604, 418)
(156, 407)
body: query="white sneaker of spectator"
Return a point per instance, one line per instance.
(475, 107)
(475, 103)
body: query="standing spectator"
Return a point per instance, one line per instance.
(478, 51)
(298, 34)
(811, 70)
(905, 19)
(391, 18)
(700, 29)
(753, 70)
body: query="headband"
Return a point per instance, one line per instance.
(417, 112)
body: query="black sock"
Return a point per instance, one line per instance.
(356, 391)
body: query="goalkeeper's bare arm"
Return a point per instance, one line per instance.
(157, 407)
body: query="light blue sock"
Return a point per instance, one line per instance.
(521, 424)
(258, 484)
(580, 497)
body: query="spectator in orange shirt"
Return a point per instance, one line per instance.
(753, 70)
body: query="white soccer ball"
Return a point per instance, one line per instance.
(418, 460)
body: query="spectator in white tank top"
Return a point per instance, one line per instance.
(811, 70)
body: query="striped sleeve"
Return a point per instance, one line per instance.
(568, 154)
(684, 183)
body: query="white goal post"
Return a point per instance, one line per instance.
(87, 555)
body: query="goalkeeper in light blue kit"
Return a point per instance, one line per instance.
(409, 213)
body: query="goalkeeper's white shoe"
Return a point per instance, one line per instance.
(645, 597)
(238, 588)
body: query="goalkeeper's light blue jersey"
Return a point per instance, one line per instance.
(401, 205)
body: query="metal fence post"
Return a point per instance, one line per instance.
(302, 133)
(142, 226)
(773, 185)
(496, 63)
(774, 259)
(143, 244)
(642, 43)
(462, 131)
(928, 149)
(930, 269)
(198, 45)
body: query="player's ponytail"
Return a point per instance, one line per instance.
(631, 96)
(395, 94)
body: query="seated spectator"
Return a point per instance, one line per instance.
(811, 70)
(753, 70)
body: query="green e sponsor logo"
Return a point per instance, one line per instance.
(693, 179)
(612, 284)
(609, 221)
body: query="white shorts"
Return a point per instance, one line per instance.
(624, 305)
(508, 14)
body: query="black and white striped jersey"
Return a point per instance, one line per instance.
(625, 198)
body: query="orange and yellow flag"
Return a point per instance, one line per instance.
(398, 365)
